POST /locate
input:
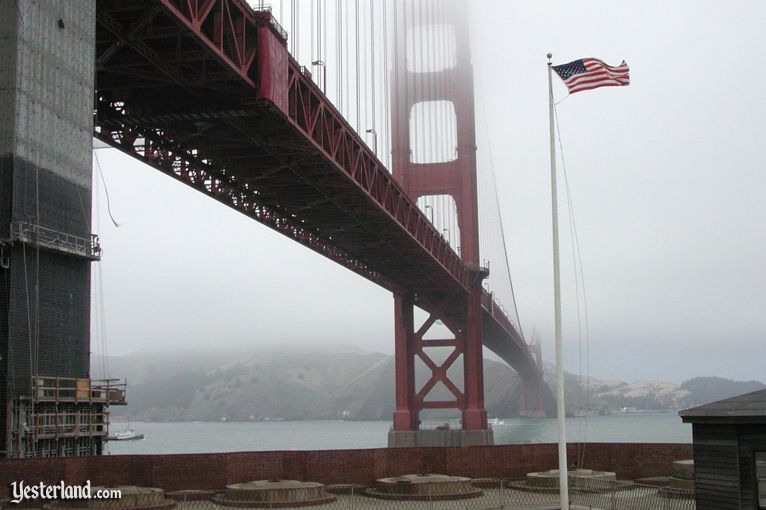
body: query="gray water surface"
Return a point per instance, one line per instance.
(208, 437)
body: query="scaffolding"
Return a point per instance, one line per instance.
(50, 239)
(64, 417)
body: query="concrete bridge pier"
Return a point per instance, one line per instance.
(47, 58)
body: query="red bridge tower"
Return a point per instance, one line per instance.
(454, 177)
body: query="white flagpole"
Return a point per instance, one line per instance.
(560, 409)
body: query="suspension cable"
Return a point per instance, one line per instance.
(356, 67)
(386, 89)
(339, 53)
(372, 74)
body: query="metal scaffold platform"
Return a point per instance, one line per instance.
(64, 417)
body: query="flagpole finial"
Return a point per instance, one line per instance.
(550, 56)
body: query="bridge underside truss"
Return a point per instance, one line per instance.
(201, 118)
(205, 92)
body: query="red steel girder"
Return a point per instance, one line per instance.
(310, 110)
(227, 27)
(203, 175)
(199, 49)
(332, 138)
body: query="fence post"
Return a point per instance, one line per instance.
(430, 497)
(501, 494)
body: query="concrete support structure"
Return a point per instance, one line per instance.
(46, 247)
(455, 178)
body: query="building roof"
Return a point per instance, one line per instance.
(747, 408)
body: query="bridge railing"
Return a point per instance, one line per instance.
(265, 11)
(315, 115)
(492, 306)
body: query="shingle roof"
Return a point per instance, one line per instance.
(747, 407)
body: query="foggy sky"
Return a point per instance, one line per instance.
(667, 181)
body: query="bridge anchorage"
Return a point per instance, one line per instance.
(208, 94)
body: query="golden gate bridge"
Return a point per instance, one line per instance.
(348, 127)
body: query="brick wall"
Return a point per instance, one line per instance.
(214, 470)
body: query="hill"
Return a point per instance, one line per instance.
(343, 381)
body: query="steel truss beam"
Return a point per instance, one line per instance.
(367, 192)
(165, 155)
(181, 86)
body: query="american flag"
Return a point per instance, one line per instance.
(592, 73)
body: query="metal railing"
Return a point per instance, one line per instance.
(266, 11)
(73, 424)
(70, 389)
(29, 233)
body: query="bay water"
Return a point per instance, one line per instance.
(209, 437)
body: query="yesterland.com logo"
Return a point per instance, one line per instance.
(21, 491)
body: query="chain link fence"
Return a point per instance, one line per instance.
(484, 494)
(494, 494)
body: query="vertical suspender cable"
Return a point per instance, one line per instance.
(386, 88)
(323, 42)
(423, 83)
(356, 67)
(297, 30)
(312, 55)
(320, 20)
(443, 85)
(339, 53)
(398, 44)
(346, 67)
(293, 35)
(439, 104)
(434, 81)
(365, 67)
(372, 72)
(427, 82)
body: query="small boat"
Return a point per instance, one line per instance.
(128, 435)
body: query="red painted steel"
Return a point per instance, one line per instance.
(404, 417)
(455, 178)
(533, 386)
(307, 174)
(273, 63)
(204, 91)
(228, 27)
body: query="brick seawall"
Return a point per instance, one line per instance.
(215, 470)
